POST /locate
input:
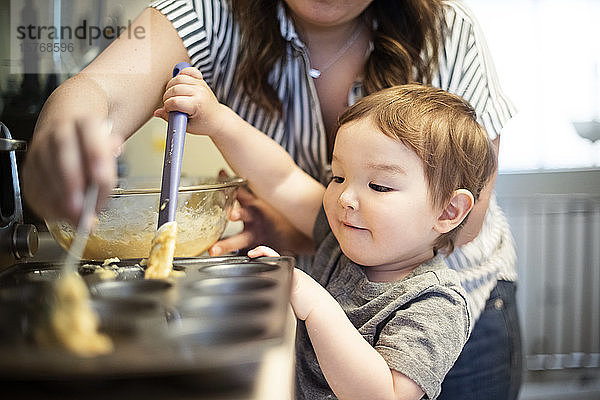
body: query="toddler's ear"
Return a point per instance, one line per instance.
(456, 210)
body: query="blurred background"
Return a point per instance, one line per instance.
(547, 56)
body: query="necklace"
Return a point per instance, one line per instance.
(316, 72)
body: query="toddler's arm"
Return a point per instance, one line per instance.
(352, 367)
(271, 172)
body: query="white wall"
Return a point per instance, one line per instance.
(144, 153)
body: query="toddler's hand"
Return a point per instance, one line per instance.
(262, 251)
(189, 93)
(308, 294)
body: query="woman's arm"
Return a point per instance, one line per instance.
(123, 86)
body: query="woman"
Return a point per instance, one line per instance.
(290, 68)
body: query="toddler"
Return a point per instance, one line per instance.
(381, 316)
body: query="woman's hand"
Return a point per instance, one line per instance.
(262, 224)
(63, 158)
(189, 93)
(70, 146)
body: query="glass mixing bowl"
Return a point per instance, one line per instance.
(126, 226)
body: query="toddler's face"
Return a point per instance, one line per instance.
(377, 203)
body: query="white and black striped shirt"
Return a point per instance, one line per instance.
(211, 37)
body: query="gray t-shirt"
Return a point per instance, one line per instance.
(419, 324)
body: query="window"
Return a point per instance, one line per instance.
(547, 55)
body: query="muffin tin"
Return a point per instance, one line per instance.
(214, 321)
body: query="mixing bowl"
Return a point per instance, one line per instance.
(126, 226)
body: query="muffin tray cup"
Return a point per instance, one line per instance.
(218, 315)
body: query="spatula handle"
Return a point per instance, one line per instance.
(172, 163)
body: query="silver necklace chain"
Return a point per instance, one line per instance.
(317, 72)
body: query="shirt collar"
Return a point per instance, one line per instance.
(288, 30)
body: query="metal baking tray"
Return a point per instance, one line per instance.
(216, 321)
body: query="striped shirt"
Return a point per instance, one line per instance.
(211, 37)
